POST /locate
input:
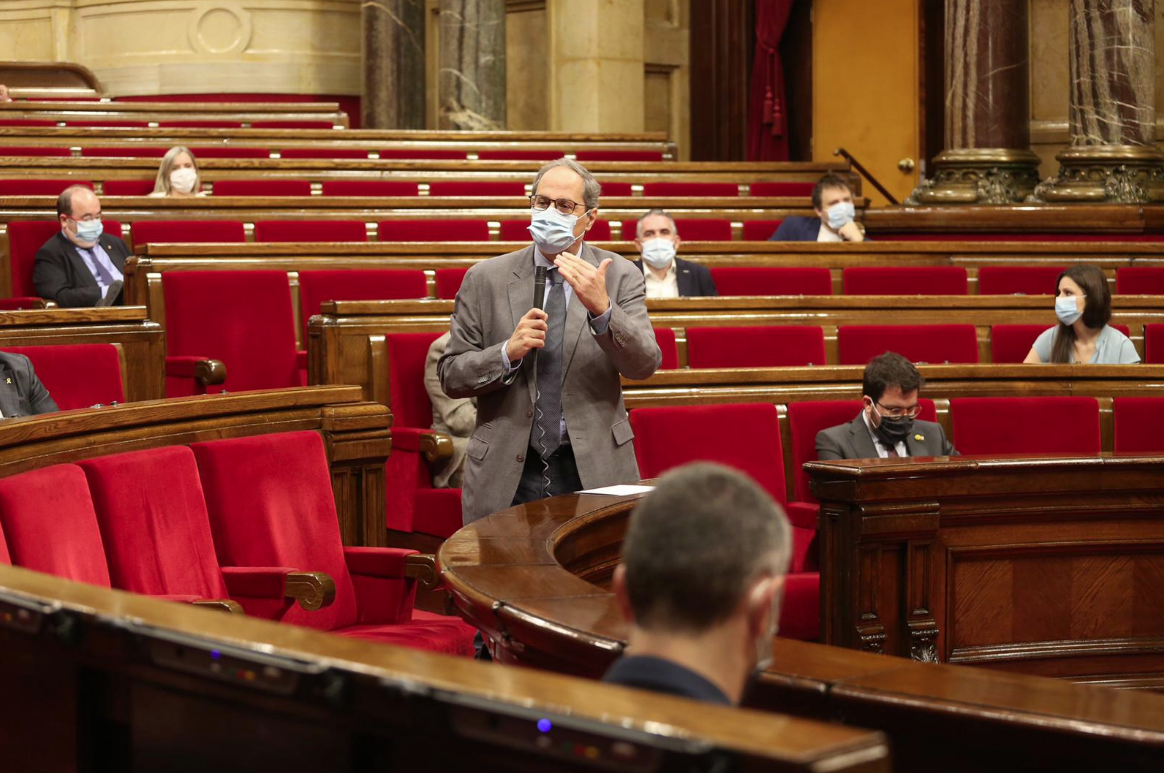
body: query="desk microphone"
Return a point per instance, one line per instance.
(540, 286)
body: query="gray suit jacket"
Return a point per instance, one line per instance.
(21, 392)
(496, 294)
(852, 441)
(455, 418)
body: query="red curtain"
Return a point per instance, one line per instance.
(767, 116)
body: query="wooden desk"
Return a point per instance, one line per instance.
(534, 579)
(142, 341)
(1035, 218)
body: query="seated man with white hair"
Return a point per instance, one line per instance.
(666, 275)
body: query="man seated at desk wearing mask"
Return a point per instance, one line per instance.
(666, 275)
(832, 198)
(886, 426)
(700, 585)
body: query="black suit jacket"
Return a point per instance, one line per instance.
(60, 274)
(852, 441)
(647, 672)
(693, 279)
(21, 393)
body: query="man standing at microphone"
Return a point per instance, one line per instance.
(550, 414)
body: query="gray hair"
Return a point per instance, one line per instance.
(591, 190)
(651, 213)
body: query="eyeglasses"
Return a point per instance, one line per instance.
(542, 203)
(898, 412)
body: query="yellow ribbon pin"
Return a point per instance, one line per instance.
(8, 380)
(918, 437)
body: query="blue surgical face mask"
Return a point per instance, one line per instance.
(658, 253)
(88, 230)
(1067, 309)
(841, 214)
(552, 231)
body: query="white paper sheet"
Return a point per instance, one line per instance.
(619, 491)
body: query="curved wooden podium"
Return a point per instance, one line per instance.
(534, 580)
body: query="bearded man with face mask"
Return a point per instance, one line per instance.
(832, 199)
(668, 276)
(545, 365)
(887, 426)
(700, 584)
(80, 265)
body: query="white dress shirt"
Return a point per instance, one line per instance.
(667, 287)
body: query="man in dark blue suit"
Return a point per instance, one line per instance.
(834, 222)
(700, 584)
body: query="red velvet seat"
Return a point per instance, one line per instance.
(448, 282)
(669, 437)
(1153, 344)
(516, 154)
(618, 155)
(693, 189)
(273, 186)
(1012, 343)
(933, 344)
(691, 230)
(108, 124)
(22, 303)
(905, 280)
(760, 230)
(297, 231)
(668, 346)
(1018, 280)
(1026, 425)
(771, 280)
(375, 284)
(413, 504)
(230, 152)
(518, 231)
(243, 318)
(385, 188)
(768, 346)
(271, 503)
(128, 187)
(26, 150)
(187, 231)
(77, 375)
(199, 125)
(30, 187)
(125, 151)
(778, 189)
(292, 124)
(25, 238)
(424, 154)
(471, 188)
(433, 231)
(25, 122)
(1140, 280)
(321, 152)
(1139, 425)
(616, 188)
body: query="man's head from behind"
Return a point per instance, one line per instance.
(79, 213)
(703, 564)
(657, 238)
(890, 389)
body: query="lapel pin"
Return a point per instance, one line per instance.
(8, 380)
(919, 437)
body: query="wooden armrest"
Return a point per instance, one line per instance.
(221, 605)
(209, 372)
(436, 445)
(422, 568)
(313, 590)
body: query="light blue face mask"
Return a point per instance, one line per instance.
(88, 230)
(552, 231)
(1067, 310)
(841, 214)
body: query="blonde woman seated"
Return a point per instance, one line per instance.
(178, 174)
(1083, 306)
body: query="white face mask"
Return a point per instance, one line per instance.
(841, 214)
(552, 231)
(183, 180)
(658, 253)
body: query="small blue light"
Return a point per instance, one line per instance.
(544, 725)
(215, 654)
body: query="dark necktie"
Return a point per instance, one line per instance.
(548, 417)
(103, 274)
(892, 452)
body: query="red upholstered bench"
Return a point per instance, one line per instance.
(514, 154)
(1018, 280)
(669, 437)
(187, 231)
(771, 280)
(690, 229)
(1139, 425)
(370, 188)
(125, 151)
(760, 230)
(1154, 343)
(433, 231)
(618, 155)
(376, 284)
(270, 503)
(932, 344)
(905, 280)
(77, 375)
(325, 153)
(769, 346)
(448, 282)
(31, 187)
(199, 124)
(1140, 280)
(299, 231)
(1012, 343)
(17, 150)
(668, 347)
(431, 154)
(696, 189)
(509, 189)
(292, 124)
(230, 152)
(266, 187)
(781, 189)
(1026, 425)
(129, 187)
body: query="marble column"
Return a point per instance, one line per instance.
(987, 157)
(472, 64)
(393, 62)
(1113, 155)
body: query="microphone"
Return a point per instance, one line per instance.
(539, 286)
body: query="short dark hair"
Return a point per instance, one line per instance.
(1096, 310)
(890, 369)
(697, 543)
(830, 180)
(65, 200)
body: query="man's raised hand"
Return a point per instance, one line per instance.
(589, 283)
